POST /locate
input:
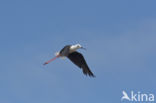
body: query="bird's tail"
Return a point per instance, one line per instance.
(62, 57)
(57, 53)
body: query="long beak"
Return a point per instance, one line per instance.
(83, 48)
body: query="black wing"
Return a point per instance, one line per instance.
(79, 60)
(65, 51)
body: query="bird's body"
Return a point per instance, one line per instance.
(77, 58)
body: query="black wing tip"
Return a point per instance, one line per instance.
(93, 76)
(87, 72)
(90, 74)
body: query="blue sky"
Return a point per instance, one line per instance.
(119, 35)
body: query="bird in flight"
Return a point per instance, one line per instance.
(77, 58)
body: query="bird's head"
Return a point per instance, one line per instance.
(75, 47)
(78, 46)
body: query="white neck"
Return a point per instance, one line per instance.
(73, 48)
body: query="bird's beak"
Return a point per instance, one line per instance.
(83, 48)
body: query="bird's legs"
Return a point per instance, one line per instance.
(51, 59)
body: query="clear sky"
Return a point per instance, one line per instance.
(120, 37)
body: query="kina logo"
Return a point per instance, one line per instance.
(137, 96)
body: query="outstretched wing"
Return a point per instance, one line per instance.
(79, 60)
(65, 50)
